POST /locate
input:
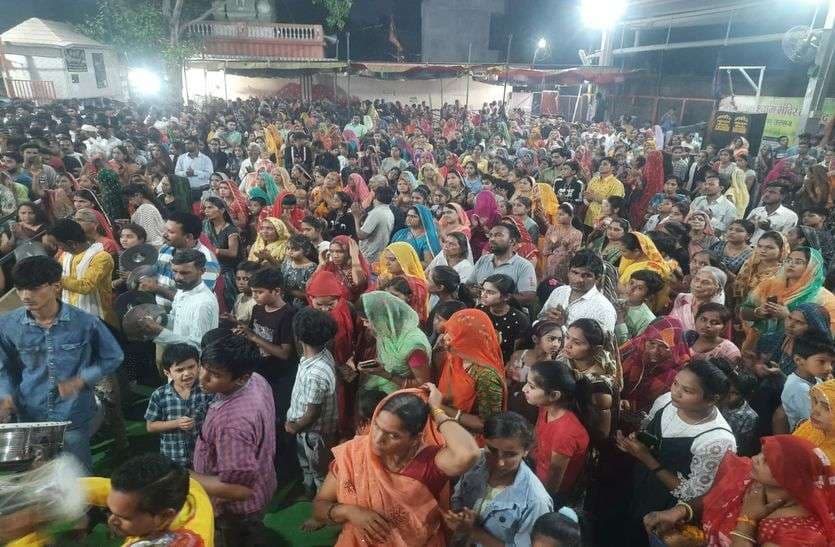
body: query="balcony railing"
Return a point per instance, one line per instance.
(260, 40)
(36, 90)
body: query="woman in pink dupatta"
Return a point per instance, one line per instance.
(483, 216)
(357, 188)
(389, 487)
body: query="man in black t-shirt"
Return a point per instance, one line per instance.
(271, 329)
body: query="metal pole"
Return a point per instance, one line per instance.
(442, 92)
(348, 59)
(225, 88)
(185, 80)
(469, 76)
(506, 71)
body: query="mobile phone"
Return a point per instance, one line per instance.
(371, 363)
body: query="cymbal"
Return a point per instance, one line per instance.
(29, 248)
(128, 300)
(132, 327)
(139, 273)
(139, 255)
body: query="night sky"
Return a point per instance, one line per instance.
(556, 20)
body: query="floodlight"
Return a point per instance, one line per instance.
(602, 13)
(143, 81)
(541, 44)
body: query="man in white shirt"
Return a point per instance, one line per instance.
(194, 310)
(772, 214)
(580, 298)
(721, 210)
(374, 234)
(248, 165)
(195, 166)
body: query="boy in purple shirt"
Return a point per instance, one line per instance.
(233, 458)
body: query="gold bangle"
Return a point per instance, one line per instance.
(743, 536)
(747, 520)
(438, 412)
(688, 508)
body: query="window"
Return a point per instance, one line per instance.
(99, 69)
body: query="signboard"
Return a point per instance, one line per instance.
(76, 59)
(783, 114)
(726, 126)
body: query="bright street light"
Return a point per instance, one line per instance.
(541, 43)
(602, 14)
(143, 81)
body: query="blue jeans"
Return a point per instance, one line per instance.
(77, 443)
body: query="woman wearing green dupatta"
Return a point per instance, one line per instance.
(799, 280)
(266, 182)
(110, 195)
(403, 351)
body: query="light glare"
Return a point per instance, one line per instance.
(541, 43)
(143, 81)
(602, 13)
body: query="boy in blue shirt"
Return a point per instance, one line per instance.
(177, 409)
(813, 359)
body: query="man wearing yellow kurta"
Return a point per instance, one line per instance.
(599, 188)
(88, 270)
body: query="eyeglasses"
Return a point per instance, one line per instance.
(795, 262)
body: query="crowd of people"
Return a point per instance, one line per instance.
(452, 327)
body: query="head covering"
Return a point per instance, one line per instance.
(705, 217)
(345, 243)
(738, 192)
(270, 187)
(324, 283)
(91, 215)
(804, 289)
(366, 482)
(806, 430)
(463, 222)
(526, 247)
(751, 267)
(544, 192)
(277, 248)
(472, 337)
(652, 260)
(397, 329)
(410, 178)
(407, 258)
(653, 175)
(797, 466)
(644, 383)
(721, 279)
(486, 209)
(239, 206)
(427, 220)
(357, 187)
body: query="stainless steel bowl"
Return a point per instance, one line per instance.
(33, 440)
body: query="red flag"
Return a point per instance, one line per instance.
(393, 35)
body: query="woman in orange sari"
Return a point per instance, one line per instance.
(321, 196)
(472, 374)
(388, 487)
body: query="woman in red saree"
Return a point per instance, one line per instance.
(326, 293)
(472, 374)
(651, 361)
(483, 216)
(653, 175)
(789, 469)
(237, 204)
(349, 265)
(388, 487)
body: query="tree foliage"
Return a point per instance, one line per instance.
(150, 31)
(337, 11)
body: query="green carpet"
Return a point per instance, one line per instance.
(283, 520)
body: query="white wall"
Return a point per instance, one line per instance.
(406, 91)
(47, 63)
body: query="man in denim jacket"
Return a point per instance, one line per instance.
(51, 356)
